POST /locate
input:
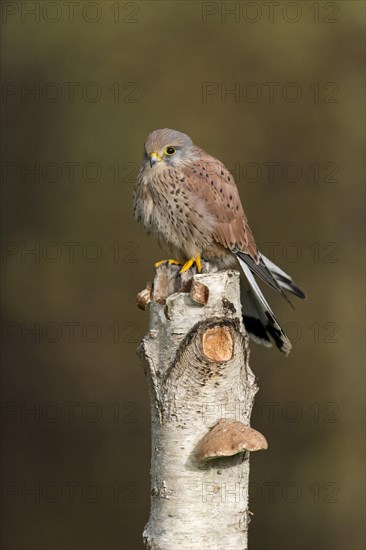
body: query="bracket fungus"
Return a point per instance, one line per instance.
(228, 438)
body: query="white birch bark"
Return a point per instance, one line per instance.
(196, 361)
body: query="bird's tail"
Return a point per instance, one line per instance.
(259, 319)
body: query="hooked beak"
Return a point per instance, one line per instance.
(154, 158)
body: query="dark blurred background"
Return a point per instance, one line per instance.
(275, 90)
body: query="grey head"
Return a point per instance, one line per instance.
(168, 148)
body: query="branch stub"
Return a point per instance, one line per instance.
(218, 344)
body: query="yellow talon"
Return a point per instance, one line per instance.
(189, 264)
(170, 262)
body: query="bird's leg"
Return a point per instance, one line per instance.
(170, 262)
(187, 265)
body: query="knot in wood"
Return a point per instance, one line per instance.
(218, 344)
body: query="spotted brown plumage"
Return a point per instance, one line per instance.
(214, 184)
(189, 202)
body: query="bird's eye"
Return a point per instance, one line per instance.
(170, 150)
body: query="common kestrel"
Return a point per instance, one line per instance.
(189, 202)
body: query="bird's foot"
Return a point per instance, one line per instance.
(170, 262)
(187, 265)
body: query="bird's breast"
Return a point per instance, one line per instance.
(173, 213)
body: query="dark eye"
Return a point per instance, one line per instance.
(170, 150)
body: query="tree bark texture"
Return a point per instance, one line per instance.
(202, 392)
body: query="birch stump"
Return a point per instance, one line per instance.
(202, 392)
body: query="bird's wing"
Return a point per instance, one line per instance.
(214, 184)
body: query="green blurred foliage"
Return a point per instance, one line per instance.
(161, 54)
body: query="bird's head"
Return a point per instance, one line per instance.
(168, 148)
